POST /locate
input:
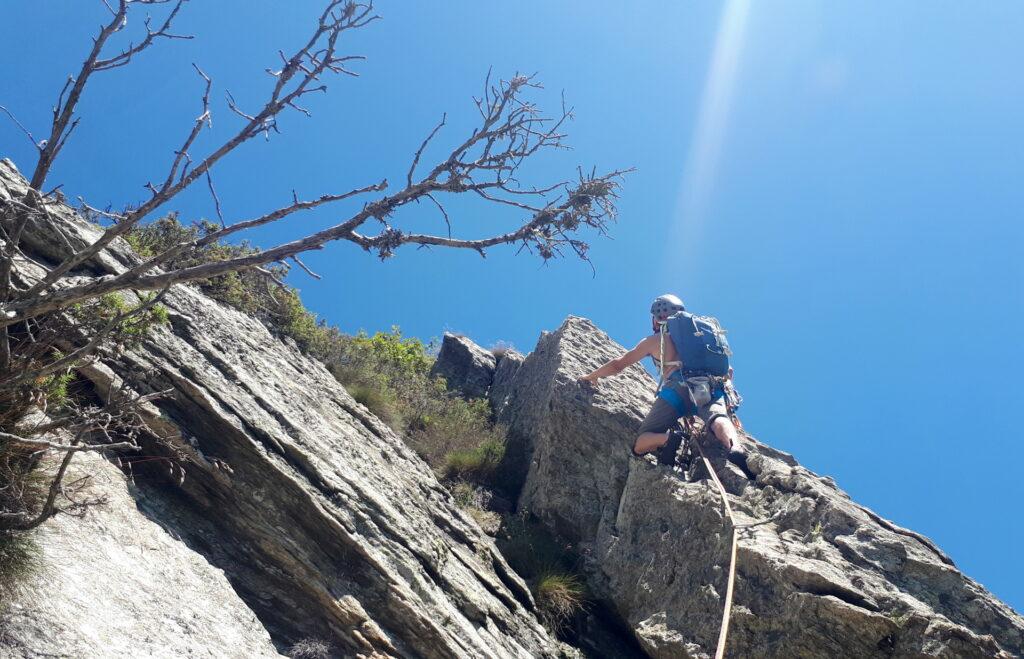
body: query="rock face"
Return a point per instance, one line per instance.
(325, 523)
(112, 583)
(286, 500)
(466, 367)
(508, 365)
(820, 577)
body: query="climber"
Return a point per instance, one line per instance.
(698, 389)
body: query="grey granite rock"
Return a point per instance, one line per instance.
(465, 366)
(326, 524)
(504, 374)
(113, 583)
(822, 577)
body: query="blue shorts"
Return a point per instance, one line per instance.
(674, 401)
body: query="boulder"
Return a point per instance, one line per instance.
(818, 576)
(465, 366)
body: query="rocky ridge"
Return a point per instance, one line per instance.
(818, 575)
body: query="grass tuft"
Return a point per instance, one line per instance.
(18, 552)
(310, 648)
(559, 596)
(477, 464)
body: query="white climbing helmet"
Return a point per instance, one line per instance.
(665, 306)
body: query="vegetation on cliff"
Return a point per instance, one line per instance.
(386, 371)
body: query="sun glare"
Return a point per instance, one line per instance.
(705, 147)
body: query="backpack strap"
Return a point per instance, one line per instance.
(662, 330)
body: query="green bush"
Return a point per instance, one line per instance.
(248, 290)
(380, 401)
(476, 464)
(96, 314)
(390, 375)
(466, 496)
(23, 489)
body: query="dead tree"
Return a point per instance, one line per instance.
(485, 163)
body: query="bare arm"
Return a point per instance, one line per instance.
(616, 366)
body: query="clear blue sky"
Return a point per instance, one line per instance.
(842, 186)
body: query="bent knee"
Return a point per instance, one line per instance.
(722, 424)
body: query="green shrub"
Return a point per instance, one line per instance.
(559, 597)
(550, 567)
(378, 400)
(477, 464)
(465, 495)
(23, 489)
(95, 314)
(248, 290)
(55, 387)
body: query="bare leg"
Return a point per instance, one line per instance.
(649, 441)
(725, 432)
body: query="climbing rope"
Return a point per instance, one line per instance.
(661, 345)
(723, 633)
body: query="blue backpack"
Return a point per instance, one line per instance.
(701, 344)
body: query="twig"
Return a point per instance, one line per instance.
(304, 267)
(22, 127)
(419, 151)
(216, 199)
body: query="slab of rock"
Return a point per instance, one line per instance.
(821, 577)
(465, 366)
(326, 524)
(508, 365)
(113, 583)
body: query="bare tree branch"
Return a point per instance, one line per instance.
(216, 199)
(484, 163)
(419, 151)
(125, 56)
(303, 68)
(86, 350)
(27, 132)
(46, 445)
(306, 268)
(63, 111)
(37, 315)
